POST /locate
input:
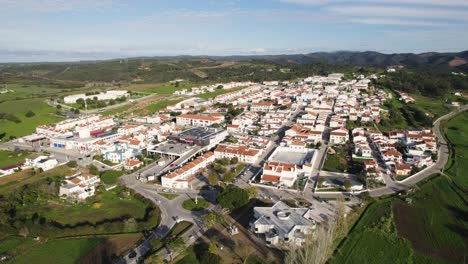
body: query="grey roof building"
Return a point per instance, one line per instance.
(284, 224)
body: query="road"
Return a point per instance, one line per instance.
(171, 212)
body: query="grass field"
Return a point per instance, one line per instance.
(76, 250)
(17, 180)
(372, 239)
(58, 251)
(106, 205)
(11, 158)
(190, 204)
(44, 116)
(336, 162)
(169, 196)
(30, 91)
(456, 131)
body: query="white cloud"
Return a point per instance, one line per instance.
(400, 22)
(408, 12)
(408, 2)
(57, 5)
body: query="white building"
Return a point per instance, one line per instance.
(282, 224)
(243, 153)
(79, 186)
(198, 120)
(108, 95)
(286, 164)
(339, 136)
(40, 162)
(182, 177)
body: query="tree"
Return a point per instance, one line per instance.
(224, 161)
(30, 114)
(211, 219)
(229, 177)
(251, 191)
(59, 107)
(318, 145)
(80, 101)
(319, 245)
(213, 178)
(232, 198)
(76, 111)
(210, 258)
(234, 160)
(93, 169)
(347, 184)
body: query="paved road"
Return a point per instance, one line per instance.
(171, 212)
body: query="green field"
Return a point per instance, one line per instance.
(44, 116)
(430, 228)
(8, 158)
(336, 162)
(30, 91)
(106, 205)
(190, 204)
(169, 196)
(58, 251)
(456, 131)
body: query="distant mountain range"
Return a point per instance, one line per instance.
(366, 58)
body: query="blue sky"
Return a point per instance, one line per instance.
(59, 30)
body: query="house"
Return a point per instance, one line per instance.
(402, 169)
(10, 169)
(79, 186)
(363, 150)
(198, 120)
(243, 153)
(132, 164)
(370, 164)
(393, 155)
(264, 106)
(181, 178)
(40, 162)
(282, 224)
(277, 173)
(339, 136)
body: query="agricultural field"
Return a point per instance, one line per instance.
(43, 115)
(374, 232)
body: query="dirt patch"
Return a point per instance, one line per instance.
(457, 62)
(412, 225)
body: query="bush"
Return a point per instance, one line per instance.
(232, 198)
(111, 176)
(30, 114)
(72, 164)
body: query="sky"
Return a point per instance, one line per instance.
(70, 30)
